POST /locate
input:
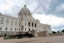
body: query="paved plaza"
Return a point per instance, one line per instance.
(52, 39)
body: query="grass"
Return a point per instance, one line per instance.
(10, 37)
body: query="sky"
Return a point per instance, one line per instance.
(47, 11)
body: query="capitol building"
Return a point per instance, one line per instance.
(22, 24)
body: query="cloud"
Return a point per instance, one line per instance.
(40, 9)
(56, 23)
(58, 28)
(49, 19)
(43, 6)
(60, 7)
(6, 7)
(32, 4)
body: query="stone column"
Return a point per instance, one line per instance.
(47, 33)
(35, 33)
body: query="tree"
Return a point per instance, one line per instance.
(62, 31)
(53, 32)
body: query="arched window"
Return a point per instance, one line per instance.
(28, 23)
(32, 24)
(29, 29)
(25, 13)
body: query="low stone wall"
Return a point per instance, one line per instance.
(40, 34)
(8, 33)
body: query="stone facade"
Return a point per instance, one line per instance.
(24, 23)
(8, 25)
(28, 23)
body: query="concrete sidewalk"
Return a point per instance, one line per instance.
(52, 39)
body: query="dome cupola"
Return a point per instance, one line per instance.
(25, 11)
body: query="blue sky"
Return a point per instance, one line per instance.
(47, 11)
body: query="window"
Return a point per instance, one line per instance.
(15, 29)
(7, 22)
(25, 13)
(21, 19)
(16, 20)
(19, 29)
(32, 24)
(25, 29)
(19, 24)
(15, 23)
(35, 25)
(6, 28)
(12, 19)
(22, 27)
(11, 22)
(11, 29)
(0, 28)
(2, 17)
(7, 18)
(25, 23)
(1, 21)
(29, 24)
(29, 29)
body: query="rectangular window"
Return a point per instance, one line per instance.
(35, 25)
(7, 22)
(0, 28)
(19, 29)
(6, 28)
(25, 23)
(19, 24)
(15, 29)
(22, 27)
(11, 22)
(11, 29)
(28, 23)
(1, 21)
(2, 17)
(25, 29)
(15, 23)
